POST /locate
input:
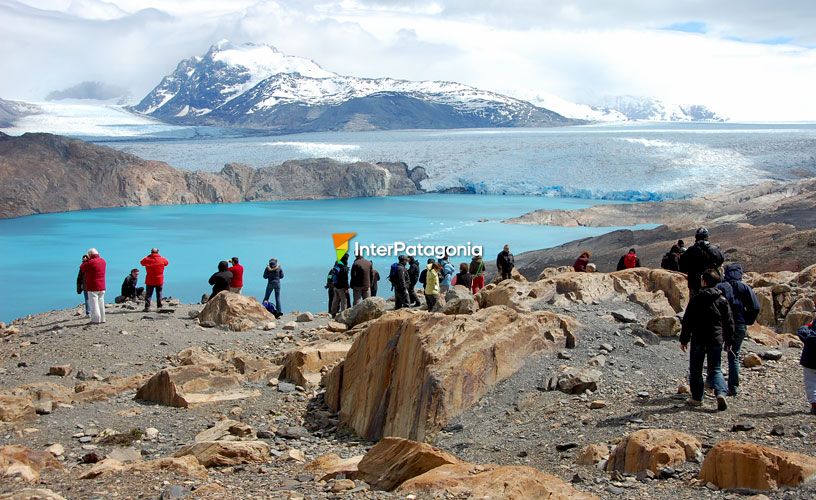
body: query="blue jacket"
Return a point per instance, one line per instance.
(808, 336)
(741, 297)
(447, 272)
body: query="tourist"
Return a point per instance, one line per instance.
(375, 278)
(682, 246)
(81, 286)
(708, 325)
(447, 273)
(432, 283)
(129, 289)
(463, 277)
(581, 262)
(629, 261)
(340, 282)
(477, 269)
(423, 276)
(505, 262)
(701, 256)
(807, 334)
(671, 261)
(361, 278)
(237, 270)
(221, 280)
(413, 277)
(744, 309)
(154, 264)
(330, 286)
(93, 271)
(273, 274)
(401, 282)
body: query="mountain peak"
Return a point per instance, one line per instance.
(263, 60)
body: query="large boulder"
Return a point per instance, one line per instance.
(655, 303)
(665, 326)
(515, 275)
(651, 449)
(767, 315)
(393, 461)
(513, 482)
(807, 276)
(460, 300)
(183, 386)
(235, 311)
(365, 310)
(409, 372)
(734, 464)
(330, 466)
(222, 453)
(674, 285)
(25, 463)
(800, 313)
(304, 365)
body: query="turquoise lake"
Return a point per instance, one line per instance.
(42, 252)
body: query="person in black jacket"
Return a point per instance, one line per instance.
(745, 309)
(808, 361)
(505, 262)
(340, 280)
(703, 255)
(413, 276)
(402, 282)
(709, 326)
(81, 288)
(220, 281)
(129, 289)
(671, 261)
(463, 277)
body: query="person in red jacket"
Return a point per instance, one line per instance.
(93, 271)
(237, 271)
(154, 264)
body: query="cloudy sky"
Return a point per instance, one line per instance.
(746, 59)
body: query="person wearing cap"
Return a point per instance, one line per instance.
(273, 274)
(701, 256)
(237, 271)
(154, 264)
(93, 271)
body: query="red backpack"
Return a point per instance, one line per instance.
(630, 260)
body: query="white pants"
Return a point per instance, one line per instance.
(810, 384)
(96, 300)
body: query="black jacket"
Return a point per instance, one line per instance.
(341, 275)
(694, 262)
(220, 281)
(129, 287)
(808, 336)
(80, 282)
(403, 281)
(505, 261)
(708, 319)
(464, 279)
(413, 273)
(671, 261)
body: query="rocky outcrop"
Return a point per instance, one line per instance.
(365, 310)
(190, 385)
(25, 463)
(224, 453)
(393, 461)
(734, 464)
(651, 449)
(408, 372)
(459, 300)
(11, 111)
(42, 173)
(305, 365)
(235, 311)
(187, 466)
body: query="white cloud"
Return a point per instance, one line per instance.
(578, 50)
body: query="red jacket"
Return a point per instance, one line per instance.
(94, 271)
(237, 271)
(154, 264)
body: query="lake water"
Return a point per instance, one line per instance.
(42, 252)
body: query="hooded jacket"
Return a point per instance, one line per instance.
(447, 271)
(694, 262)
(154, 264)
(273, 275)
(220, 281)
(477, 266)
(808, 336)
(93, 270)
(708, 319)
(402, 281)
(744, 303)
(431, 281)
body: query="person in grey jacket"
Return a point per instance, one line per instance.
(273, 274)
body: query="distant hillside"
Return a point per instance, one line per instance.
(11, 111)
(89, 90)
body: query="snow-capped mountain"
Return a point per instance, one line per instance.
(256, 86)
(651, 109)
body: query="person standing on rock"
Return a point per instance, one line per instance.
(81, 286)
(447, 273)
(221, 280)
(581, 263)
(340, 282)
(361, 274)
(154, 264)
(273, 274)
(709, 326)
(401, 282)
(671, 261)
(745, 309)
(701, 256)
(463, 277)
(129, 289)
(375, 278)
(93, 271)
(477, 269)
(432, 283)
(629, 261)
(413, 276)
(237, 271)
(807, 334)
(505, 262)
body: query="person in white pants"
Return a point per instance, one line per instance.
(93, 271)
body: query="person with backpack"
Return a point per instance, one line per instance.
(93, 271)
(581, 263)
(154, 264)
(423, 276)
(361, 272)
(505, 262)
(401, 282)
(273, 274)
(671, 261)
(629, 261)
(477, 269)
(682, 246)
(447, 274)
(463, 277)
(709, 326)
(701, 256)
(807, 334)
(413, 276)
(330, 286)
(432, 283)
(340, 282)
(220, 281)
(744, 309)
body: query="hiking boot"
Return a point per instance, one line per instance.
(732, 393)
(693, 402)
(721, 404)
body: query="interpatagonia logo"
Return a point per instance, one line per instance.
(341, 243)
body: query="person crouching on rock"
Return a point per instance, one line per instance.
(709, 325)
(129, 289)
(220, 281)
(629, 261)
(582, 262)
(237, 270)
(154, 264)
(432, 283)
(808, 361)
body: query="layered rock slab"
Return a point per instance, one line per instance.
(735, 464)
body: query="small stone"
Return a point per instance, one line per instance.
(607, 347)
(286, 387)
(666, 473)
(566, 446)
(564, 355)
(742, 427)
(453, 428)
(341, 485)
(293, 432)
(336, 327)
(778, 430)
(643, 394)
(640, 343)
(772, 355)
(56, 449)
(85, 439)
(273, 382)
(290, 326)
(60, 370)
(91, 458)
(174, 491)
(521, 454)
(193, 314)
(304, 317)
(645, 476)
(207, 324)
(43, 407)
(294, 455)
(624, 316)
(151, 433)
(597, 404)
(264, 434)
(751, 360)
(599, 360)
(614, 490)
(683, 389)
(270, 326)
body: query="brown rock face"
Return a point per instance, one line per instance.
(303, 365)
(25, 463)
(188, 385)
(664, 326)
(393, 461)
(231, 309)
(591, 454)
(650, 449)
(220, 453)
(330, 466)
(408, 372)
(734, 464)
(515, 482)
